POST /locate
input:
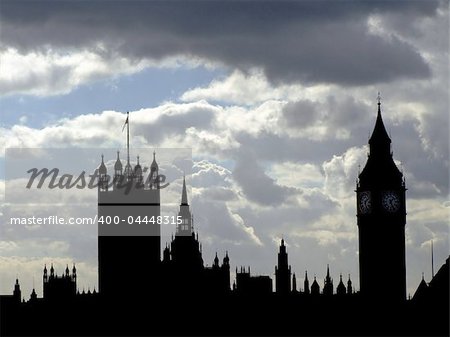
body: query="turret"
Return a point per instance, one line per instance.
(138, 172)
(52, 271)
(166, 254)
(33, 296)
(340, 290)
(45, 276)
(216, 262)
(328, 283)
(294, 283)
(153, 176)
(315, 288)
(17, 294)
(283, 271)
(118, 167)
(306, 284)
(226, 260)
(103, 176)
(74, 273)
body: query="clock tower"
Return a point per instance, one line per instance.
(381, 214)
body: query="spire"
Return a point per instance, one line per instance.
(102, 168)
(349, 285)
(138, 171)
(379, 135)
(380, 170)
(154, 163)
(328, 270)
(184, 200)
(306, 284)
(226, 259)
(118, 164)
(341, 287)
(216, 260)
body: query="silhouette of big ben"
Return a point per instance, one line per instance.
(381, 214)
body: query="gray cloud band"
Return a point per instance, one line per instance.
(312, 42)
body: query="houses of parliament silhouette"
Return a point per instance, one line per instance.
(141, 293)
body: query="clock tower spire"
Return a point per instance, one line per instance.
(381, 214)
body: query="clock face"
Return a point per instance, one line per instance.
(390, 201)
(365, 203)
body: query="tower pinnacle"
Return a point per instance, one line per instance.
(184, 200)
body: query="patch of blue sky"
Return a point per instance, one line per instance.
(147, 88)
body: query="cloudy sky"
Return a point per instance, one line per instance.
(276, 101)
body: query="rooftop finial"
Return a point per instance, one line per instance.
(379, 98)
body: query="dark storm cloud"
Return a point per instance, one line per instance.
(292, 41)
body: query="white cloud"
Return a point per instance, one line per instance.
(300, 175)
(341, 173)
(57, 72)
(243, 89)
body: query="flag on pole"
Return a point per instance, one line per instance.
(126, 122)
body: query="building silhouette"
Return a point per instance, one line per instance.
(328, 284)
(306, 284)
(340, 289)
(247, 284)
(381, 219)
(59, 287)
(142, 294)
(283, 272)
(120, 203)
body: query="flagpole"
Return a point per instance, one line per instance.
(128, 137)
(432, 260)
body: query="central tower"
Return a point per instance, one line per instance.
(129, 233)
(381, 214)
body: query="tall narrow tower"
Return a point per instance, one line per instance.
(185, 248)
(128, 228)
(381, 214)
(283, 272)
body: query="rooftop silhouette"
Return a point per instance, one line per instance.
(178, 295)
